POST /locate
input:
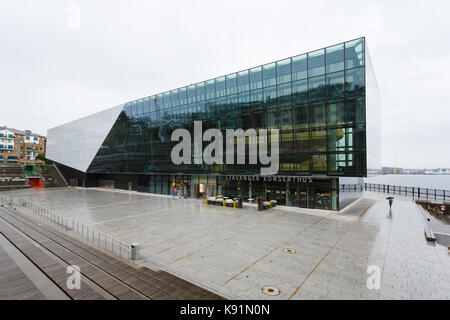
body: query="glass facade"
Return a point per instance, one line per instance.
(317, 100)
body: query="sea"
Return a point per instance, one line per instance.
(441, 182)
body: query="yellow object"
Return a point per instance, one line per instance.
(234, 205)
(206, 201)
(224, 203)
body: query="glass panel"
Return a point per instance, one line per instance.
(336, 140)
(319, 162)
(191, 93)
(220, 87)
(174, 98)
(335, 58)
(270, 95)
(146, 105)
(301, 118)
(300, 91)
(200, 91)
(300, 67)
(284, 71)
(159, 101)
(182, 95)
(354, 82)
(318, 115)
(316, 63)
(302, 163)
(243, 81)
(317, 88)
(284, 94)
(255, 78)
(166, 99)
(256, 96)
(210, 89)
(336, 162)
(302, 141)
(335, 84)
(336, 113)
(231, 84)
(269, 75)
(286, 121)
(354, 53)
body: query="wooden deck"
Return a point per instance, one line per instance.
(116, 277)
(14, 284)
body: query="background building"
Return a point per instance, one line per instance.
(325, 104)
(21, 147)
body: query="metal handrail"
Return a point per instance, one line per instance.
(415, 192)
(99, 238)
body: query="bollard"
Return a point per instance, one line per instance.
(224, 203)
(206, 201)
(234, 204)
(135, 251)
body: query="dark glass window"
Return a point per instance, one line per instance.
(220, 87)
(243, 81)
(318, 114)
(301, 118)
(200, 91)
(210, 89)
(269, 75)
(300, 67)
(317, 88)
(335, 58)
(354, 53)
(174, 98)
(256, 96)
(286, 119)
(284, 93)
(255, 78)
(354, 82)
(336, 113)
(231, 84)
(270, 95)
(182, 95)
(300, 91)
(335, 84)
(146, 105)
(166, 99)
(191, 94)
(316, 63)
(284, 71)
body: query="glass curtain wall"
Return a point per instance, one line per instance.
(316, 100)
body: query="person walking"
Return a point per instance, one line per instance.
(391, 200)
(175, 192)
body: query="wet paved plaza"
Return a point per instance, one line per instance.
(238, 252)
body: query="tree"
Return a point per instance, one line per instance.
(41, 156)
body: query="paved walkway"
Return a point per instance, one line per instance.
(238, 252)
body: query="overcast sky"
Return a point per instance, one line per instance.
(52, 72)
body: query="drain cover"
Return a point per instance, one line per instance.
(289, 251)
(271, 291)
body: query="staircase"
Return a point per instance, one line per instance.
(12, 177)
(51, 177)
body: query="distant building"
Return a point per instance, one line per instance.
(21, 147)
(392, 170)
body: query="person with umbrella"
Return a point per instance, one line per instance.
(391, 199)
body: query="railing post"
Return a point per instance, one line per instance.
(435, 194)
(427, 193)
(444, 195)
